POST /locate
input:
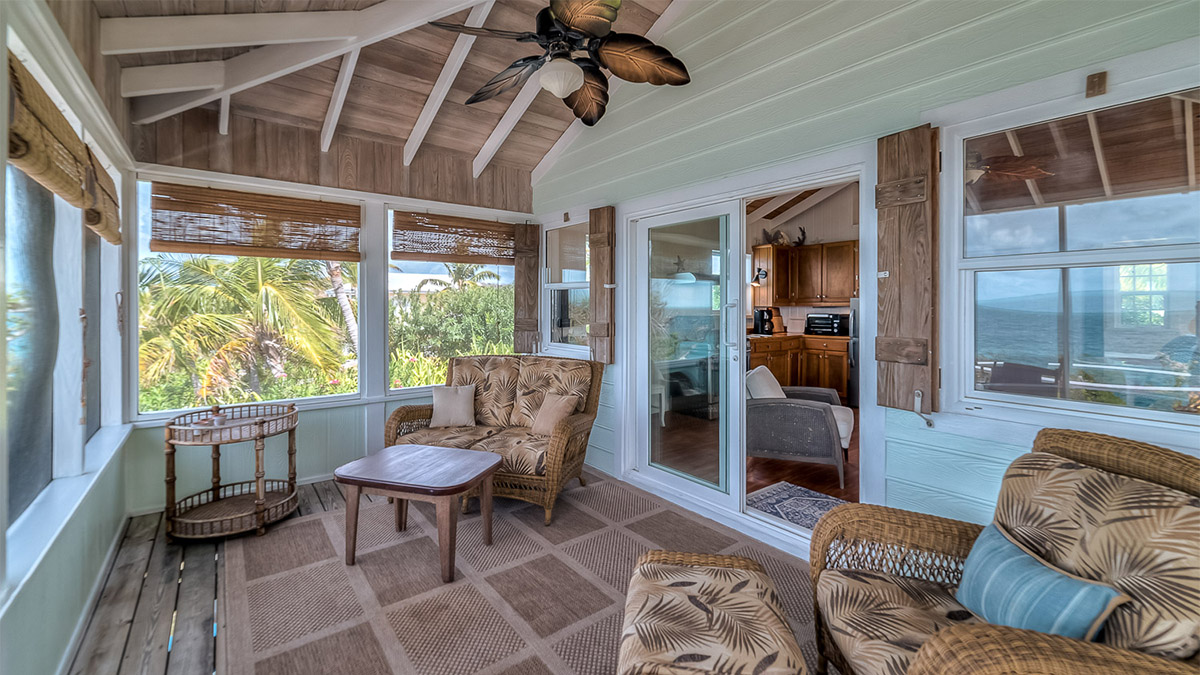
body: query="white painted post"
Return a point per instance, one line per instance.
(375, 242)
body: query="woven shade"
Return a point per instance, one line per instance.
(43, 145)
(200, 220)
(430, 237)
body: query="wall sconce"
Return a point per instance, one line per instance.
(759, 275)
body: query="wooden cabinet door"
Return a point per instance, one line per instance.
(777, 363)
(835, 367)
(784, 275)
(757, 360)
(807, 282)
(811, 368)
(839, 271)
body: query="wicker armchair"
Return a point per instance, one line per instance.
(876, 539)
(803, 427)
(565, 448)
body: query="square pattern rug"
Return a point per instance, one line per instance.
(539, 600)
(792, 503)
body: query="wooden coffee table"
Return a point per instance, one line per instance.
(426, 474)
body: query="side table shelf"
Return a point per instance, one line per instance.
(231, 508)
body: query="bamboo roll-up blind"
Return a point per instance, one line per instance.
(43, 145)
(201, 220)
(430, 237)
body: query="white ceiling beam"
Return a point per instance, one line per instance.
(1015, 146)
(223, 119)
(516, 110)
(340, 87)
(169, 79)
(1098, 149)
(264, 64)
(144, 34)
(445, 80)
(669, 16)
(818, 197)
(761, 212)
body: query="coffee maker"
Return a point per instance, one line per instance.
(764, 320)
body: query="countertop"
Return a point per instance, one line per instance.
(794, 335)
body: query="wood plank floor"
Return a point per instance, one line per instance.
(157, 613)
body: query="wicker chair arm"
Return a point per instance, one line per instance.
(882, 539)
(569, 439)
(820, 394)
(999, 650)
(405, 420)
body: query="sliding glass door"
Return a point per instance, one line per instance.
(691, 332)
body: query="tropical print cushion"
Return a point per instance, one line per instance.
(879, 621)
(447, 437)
(523, 451)
(541, 375)
(495, 380)
(682, 619)
(1137, 536)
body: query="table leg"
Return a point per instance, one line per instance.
(401, 514)
(485, 509)
(352, 521)
(447, 522)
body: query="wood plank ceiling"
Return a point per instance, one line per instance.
(391, 82)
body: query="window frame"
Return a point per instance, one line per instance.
(547, 310)
(1132, 78)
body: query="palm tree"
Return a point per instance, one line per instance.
(336, 273)
(462, 276)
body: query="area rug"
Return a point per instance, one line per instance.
(792, 503)
(539, 600)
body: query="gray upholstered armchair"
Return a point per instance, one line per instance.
(810, 425)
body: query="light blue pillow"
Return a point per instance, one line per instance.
(1005, 584)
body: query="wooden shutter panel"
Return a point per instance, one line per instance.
(601, 240)
(526, 284)
(906, 198)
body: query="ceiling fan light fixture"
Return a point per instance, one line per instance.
(561, 77)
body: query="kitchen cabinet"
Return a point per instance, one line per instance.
(780, 354)
(826, 363)
(818, 275)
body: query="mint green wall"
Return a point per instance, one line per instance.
(779, 80)
(39, 620)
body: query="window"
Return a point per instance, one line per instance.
(450, 293)
(219, 328)
(567, 284)
(1079, 241)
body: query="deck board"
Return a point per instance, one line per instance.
(331, 496)
(146, 648)
(193, 644)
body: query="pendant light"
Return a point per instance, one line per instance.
(561, 77)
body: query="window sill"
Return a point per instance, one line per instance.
(568, 351)
(32, 534)
(155, 420)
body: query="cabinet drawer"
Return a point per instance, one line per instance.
(792, 343)
(759, 345)
(826, 344)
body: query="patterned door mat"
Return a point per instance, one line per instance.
(793, 503)
(540, 600)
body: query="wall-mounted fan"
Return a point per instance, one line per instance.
(1005, 168)
(578, 41)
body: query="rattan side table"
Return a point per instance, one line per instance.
(231, 508)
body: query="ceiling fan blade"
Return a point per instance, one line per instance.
(592, 17)
(484, 32)
(1015, 168)
(512, 76)
(634, 58)
(589, 101)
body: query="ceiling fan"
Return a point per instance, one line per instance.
(1005, 168)
(578, 41)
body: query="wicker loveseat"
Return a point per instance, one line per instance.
(508, 393)
(1116, 511)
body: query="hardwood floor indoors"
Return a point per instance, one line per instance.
(761, 472)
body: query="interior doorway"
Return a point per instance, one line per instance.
(803, 353)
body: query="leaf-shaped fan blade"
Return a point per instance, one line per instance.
(484, 32)
(589, 101)
(634, 58)
(512, 76)
(1014, 168)
(593, 17)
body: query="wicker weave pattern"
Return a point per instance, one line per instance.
(699, 560)
(1128, 458)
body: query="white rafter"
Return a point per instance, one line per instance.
(814, 199)
(242, 72)
(167, 79)
(445, 80)
(1098, 149)
(142, 34)
(1015, 146)
(340, 87)
(223, 119)
(761, 212)
(669, 16)
(516, 110)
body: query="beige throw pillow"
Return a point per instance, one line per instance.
(453, 406)
(555, 408)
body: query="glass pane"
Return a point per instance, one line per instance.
(32, 337)
(1144, 221)
(91, 345)
(1010, 232)
(1136, 348)
(440, 310)
(567, 253)
(687, 368)
(1017, 337)
(227, 329)
(569, 316)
